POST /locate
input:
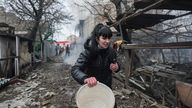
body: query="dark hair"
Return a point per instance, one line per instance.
(100, 30)
(105, 32)
(96, 29)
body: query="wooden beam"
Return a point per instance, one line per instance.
(174, 45)
(156, 4)
(6, 58)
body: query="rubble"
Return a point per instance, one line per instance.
(50, 85)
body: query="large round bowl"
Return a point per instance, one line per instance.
(99, 96)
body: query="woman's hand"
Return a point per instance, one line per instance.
(91, 81)
(114, 67)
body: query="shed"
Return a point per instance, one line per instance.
(13, 52)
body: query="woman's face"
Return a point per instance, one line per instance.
(103, 42)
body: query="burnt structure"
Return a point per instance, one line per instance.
(159, 80)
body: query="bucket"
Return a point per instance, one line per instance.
(99, 96)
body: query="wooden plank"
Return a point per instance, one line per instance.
(174, 45)
(127, 66)
(156, 4)
(7, 58)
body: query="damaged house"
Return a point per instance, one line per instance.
(14, 53)
(17, 56)
(158, 41)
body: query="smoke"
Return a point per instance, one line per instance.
(75, 50)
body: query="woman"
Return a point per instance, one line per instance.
(98, 61)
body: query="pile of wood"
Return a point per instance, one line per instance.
(158, 81)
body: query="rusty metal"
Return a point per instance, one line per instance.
(185, 92)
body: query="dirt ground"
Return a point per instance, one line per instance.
(50, 85)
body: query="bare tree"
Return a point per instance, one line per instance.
(39, 11)
(42, 14)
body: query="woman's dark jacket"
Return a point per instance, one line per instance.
(94, 63)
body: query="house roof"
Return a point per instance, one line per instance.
(140, 19)
(12, 36)
(2, 24)
(167, 4)
(7, 35)
(146, 20)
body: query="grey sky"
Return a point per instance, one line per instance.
(1, 2)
